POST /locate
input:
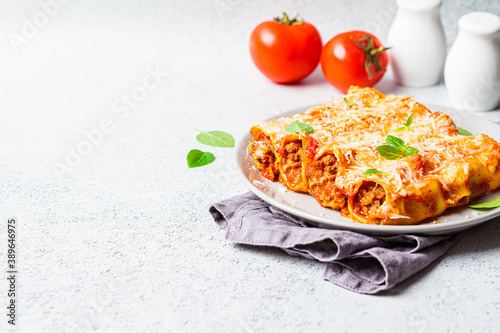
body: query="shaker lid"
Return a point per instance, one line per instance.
(480, 23)
(419, 5)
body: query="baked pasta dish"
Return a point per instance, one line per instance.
(377, 159)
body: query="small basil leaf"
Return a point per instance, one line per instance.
(215, 138)
(395, 142)
(410, 151)
(388, 152)
(400, 129)
(197, 158)
(297, 126)
(409, 121)
(463, 132)
(487, 205)
(348, 102)
(372, 171)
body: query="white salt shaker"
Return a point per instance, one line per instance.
(418, 44)
(472, 70)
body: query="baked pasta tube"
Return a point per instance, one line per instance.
(378, 159)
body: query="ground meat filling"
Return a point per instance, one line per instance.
(292, 161)
(322, 174)
(369, 198)
(262, 152)
(268, 161)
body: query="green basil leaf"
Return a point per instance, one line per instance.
(395, 142)
(409, 121)
(215, 138)
(398, 148)
(406, 125)
(348, 102)
(487, 205)
(298, 126)
(463, 132)
(410, 151)
(388, 152)
(372, 171)
(197, 158)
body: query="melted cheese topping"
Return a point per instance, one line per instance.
(451, 165)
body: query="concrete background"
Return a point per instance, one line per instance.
(98, 101)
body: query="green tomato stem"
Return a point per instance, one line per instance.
(371, 53)
(286, 20)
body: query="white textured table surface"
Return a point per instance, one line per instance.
(98, 101)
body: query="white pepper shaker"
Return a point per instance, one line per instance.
(418, 44)
(472, 70)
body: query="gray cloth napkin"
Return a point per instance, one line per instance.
(360, 263)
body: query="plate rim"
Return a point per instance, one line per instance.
(427, 229)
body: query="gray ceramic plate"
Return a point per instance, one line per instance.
(306, 207)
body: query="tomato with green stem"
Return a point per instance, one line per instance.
(285, 50)
(353, 58)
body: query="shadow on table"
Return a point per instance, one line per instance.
(481, 238)
(273, 252)
(316, 78)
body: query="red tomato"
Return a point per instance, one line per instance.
(285, 50)
(353, 58)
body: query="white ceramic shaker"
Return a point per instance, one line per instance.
(472, 70)
(418, 45)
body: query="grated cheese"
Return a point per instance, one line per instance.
(445, 159)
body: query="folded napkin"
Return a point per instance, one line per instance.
(360, 263)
